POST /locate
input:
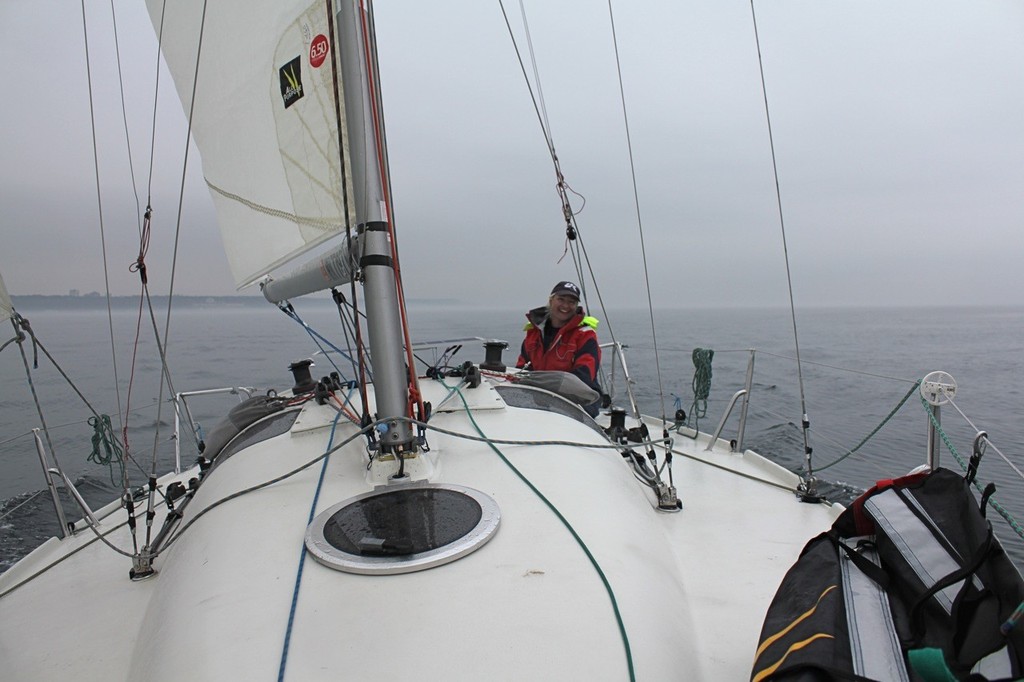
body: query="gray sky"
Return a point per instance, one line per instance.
(899, 134)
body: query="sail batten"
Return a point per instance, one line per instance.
(272, 140)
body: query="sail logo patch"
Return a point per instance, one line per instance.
(291, 82)
(318, 51)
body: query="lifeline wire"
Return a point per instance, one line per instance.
(868, 437)
(987, 439)
(1007, 516)
(20, 505)
(260, 486)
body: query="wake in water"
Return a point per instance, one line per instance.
(29, 519)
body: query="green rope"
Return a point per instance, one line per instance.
(701, 384)
(992, 501)
(106, 451)
(885, 421)
(568, 526)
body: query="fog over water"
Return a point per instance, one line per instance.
(897, 132)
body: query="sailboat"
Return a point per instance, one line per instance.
(456, 524)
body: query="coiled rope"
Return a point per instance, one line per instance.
(106, 451)
(701, 384)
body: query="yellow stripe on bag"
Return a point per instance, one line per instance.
(795, 647)
(771, 640)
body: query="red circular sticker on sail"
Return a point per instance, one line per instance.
(318, 51)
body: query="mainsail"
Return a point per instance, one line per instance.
(268, 122)
(6, 307)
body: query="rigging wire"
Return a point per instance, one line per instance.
(17, 321)
(636, 203)
(543, 112)
(785, 249)
(347, 326)
(316, 337)
(156, 95)
(358, 328)
(522, 66)
(177, 232)
(124, 114)
(574, 239)
(99, 206)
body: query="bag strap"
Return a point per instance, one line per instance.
(865, 565)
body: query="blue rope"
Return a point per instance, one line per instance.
(302, 557)
(313, 334)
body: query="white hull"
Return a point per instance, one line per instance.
(692, 587)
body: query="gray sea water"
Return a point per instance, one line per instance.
(857, 366)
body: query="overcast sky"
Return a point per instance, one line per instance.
(898, 129)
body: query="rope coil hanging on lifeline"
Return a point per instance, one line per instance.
(701, 384)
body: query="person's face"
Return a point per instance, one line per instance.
(561, 308)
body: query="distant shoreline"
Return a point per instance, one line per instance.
(29, 303)
(36, 302)
(33, 302)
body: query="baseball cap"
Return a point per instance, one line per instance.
(566, 288)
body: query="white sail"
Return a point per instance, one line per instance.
(6, 307)
(266, 123)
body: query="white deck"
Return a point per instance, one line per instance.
(692, 587)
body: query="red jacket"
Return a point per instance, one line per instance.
(574, 347)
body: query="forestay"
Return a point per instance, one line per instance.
(269, 126)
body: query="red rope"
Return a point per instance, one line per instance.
(344, 410)
(414, 392)
(138, 266)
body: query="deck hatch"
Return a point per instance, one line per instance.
(402, 529)
(532, 398)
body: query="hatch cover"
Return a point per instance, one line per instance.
(403, 529)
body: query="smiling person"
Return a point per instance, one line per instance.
(562, 337)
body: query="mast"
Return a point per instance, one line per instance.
(304, 107)
(368, 157)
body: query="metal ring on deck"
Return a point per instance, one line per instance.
(402, 529)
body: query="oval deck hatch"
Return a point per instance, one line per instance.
(403, 529)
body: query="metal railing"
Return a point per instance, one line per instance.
(180, 404)
(49, 473)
